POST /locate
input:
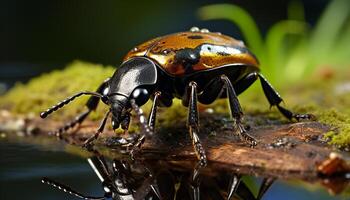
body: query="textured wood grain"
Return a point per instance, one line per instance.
(289, 150)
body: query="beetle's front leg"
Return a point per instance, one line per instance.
(153, 113)
(137, 141)
(275, 99)
(99, 130)
(145, 129)
(236, 111)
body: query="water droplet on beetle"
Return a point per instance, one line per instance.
(204, 30)
(194, 29)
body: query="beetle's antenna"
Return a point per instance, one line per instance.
(69, 190)
(67, 101)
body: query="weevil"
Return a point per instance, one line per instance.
(194, 66)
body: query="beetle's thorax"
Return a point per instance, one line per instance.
(133, 73)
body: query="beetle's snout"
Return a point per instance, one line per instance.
(118, 106)
(116, 110)
(120, 118)
(115, 123)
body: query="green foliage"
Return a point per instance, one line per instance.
(291, 50)
(44, 91)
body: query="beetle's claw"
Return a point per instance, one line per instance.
(300, 117)
(126, 142)
(249, 139)
(133, 152)
(87, 144)
(246, 137)
(136, 147)
(131, 144)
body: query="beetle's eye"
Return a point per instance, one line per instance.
(140, 95)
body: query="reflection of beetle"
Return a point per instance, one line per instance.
(118, 181)
(195, 66)
(141, 180)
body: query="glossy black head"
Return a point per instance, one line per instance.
(134, 79)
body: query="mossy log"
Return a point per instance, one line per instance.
(287, 151)
(303, 150)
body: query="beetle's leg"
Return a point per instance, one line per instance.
(145, 129)
(193, 124)
(275, 99)
(91, 104)
(236, 111)
(151, 124)
(110, 178)
(265, 185)
(195, 182)
(77, 120)
(153, 113)
(99, 130)
(233, 185)
(245, 82)
(211, 91)
(148, 185)
(137, 141)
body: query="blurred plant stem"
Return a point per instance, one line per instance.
(291, 50)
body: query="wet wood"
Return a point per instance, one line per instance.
(284, 150)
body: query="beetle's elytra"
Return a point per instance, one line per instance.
(194, 66)
(200, 51)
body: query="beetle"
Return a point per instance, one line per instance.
(194, 66)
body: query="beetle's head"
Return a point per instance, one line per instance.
(134, 80)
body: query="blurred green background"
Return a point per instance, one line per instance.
(38, 36)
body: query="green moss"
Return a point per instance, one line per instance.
(318, 96)
(340, 134)
(46, 90)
